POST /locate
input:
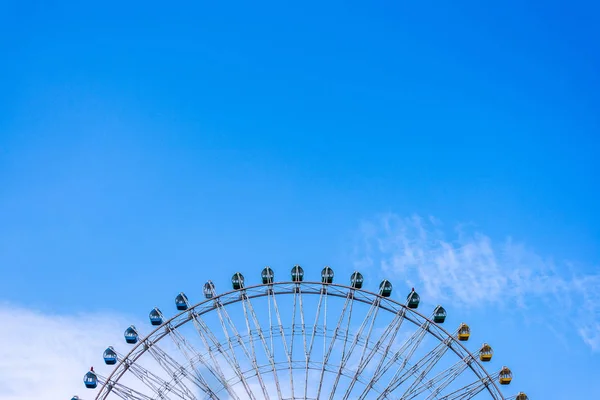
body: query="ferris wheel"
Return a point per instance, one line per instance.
(299, 339)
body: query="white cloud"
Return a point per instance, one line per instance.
(469, 268)
(45, 356)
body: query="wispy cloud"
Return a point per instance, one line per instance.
(45, 356)
(467, 267)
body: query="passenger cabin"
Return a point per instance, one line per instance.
(267, 275)
(464, 332)
(439, 315)
(181, 302)
(413, 299)
(131, 335)
(485, 353)
(505, 376)
(297, 273)
(521, 396)
(327, 275)
(237, 281)
(110, 356)
(209, 290)
(156, 317)
(90, 379)
(356, 280)
(385, 288)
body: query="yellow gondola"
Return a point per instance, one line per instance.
(521, 396)
(505, 376)
(464, 332)
(486, 352)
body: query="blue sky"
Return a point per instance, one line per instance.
(145, 148)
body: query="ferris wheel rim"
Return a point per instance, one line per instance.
(482, 374)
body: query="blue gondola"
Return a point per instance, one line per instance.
(110, 356)
(297, 274)
(237, 281)
(327, 275)
(156, 317)
(209, 290)
(385, 288)
(356, 280)
(90, 379)
(181, 301)
(131, 335)
(267, 275)
(439, 315)
(75, 398)
(413, 299)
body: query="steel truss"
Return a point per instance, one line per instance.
(250, 358)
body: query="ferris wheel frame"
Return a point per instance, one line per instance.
(291, 288)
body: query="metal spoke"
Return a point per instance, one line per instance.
(346, 334)
(392, 329)
(327, 354)
(157, 384)
(410, 346)
(471, 390)
(272, 297)
(123, 391)
(439, 382)
(373, 310)
(425, 364)
(171, 367)
(215, 368)
(293, 338)
(303, 327)
(312, 339)
(234, 361)
(248, 309)
(363, 361)
(225, 318)
(127, 393)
